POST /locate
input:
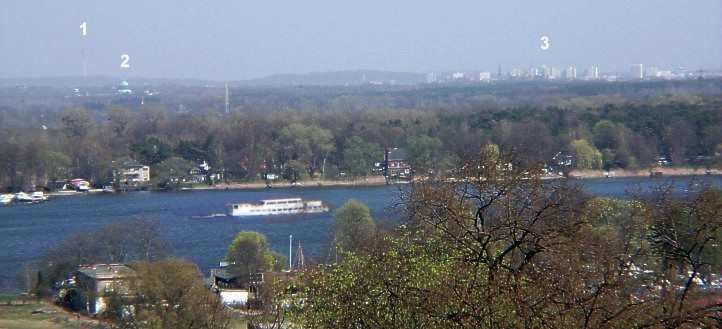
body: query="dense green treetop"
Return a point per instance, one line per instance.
(249, 254)
(353, 228)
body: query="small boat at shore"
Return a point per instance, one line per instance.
(39, 196)
(23, 197)
(278, 207)
(6, 198)
(35, 197)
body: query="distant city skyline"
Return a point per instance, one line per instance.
(230, 40)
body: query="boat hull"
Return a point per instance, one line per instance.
(277, 207)
(239, 213)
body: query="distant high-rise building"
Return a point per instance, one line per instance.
(431, 77)
(554, 73)
(651, 72)
(545, 71)
(571, 73)
(592, 73)
(638, 71)
(499, 74)
(534, 73)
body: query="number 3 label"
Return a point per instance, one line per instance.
(125, 61)
(545, 42)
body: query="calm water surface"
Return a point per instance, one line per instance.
(27, 230)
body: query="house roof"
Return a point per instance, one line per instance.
(224, 274)
(131, 164)
(106, 271)
(396, 154)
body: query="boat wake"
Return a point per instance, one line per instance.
(210, 216)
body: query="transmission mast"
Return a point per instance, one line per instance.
(228, 103)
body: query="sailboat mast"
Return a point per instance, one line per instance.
(290, 252)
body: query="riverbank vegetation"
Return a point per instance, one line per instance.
(299, 133)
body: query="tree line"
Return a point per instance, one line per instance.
(52, 140)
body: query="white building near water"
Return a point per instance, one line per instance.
(130, 175)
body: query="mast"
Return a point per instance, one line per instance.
(228, 104)
(300, 259)
(290, 252)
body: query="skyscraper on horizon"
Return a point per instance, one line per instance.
(638, 71)
(592, 73)
(571, 73)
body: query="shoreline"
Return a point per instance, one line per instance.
(380, 180)
(647, 172)
(368, 181)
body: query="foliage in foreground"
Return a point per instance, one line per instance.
(506, 250)
(353, 227)
(137, 239)
(249, 253)
(168, 294)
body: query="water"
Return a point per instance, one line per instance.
(26, 231)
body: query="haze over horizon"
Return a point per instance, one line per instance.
(231, 40)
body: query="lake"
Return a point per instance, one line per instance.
(26, 231)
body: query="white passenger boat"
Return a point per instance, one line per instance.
(6, 198)
(278, 207)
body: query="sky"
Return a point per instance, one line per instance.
(244, 39)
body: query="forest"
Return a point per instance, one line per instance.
(49, 134)
(498, 246)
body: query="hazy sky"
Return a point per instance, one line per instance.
(235, 39)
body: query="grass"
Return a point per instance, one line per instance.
(16, 313)
(235, 324)
(38, 315)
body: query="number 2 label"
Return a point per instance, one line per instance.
(125, 61)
